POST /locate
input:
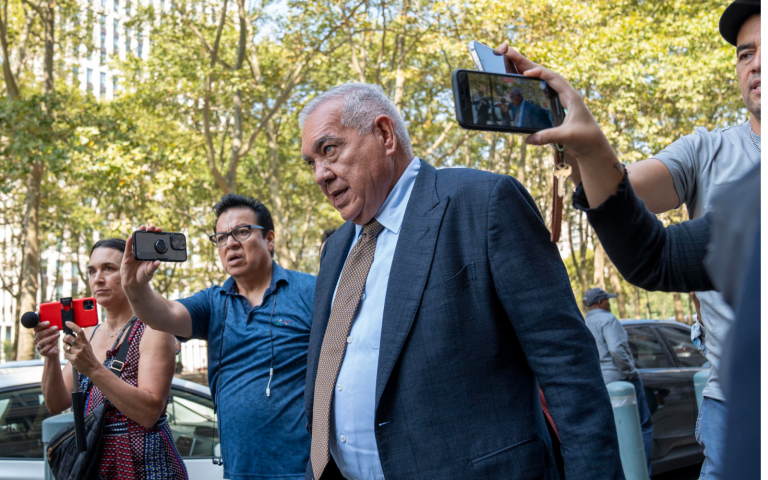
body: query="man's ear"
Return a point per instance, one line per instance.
(270, 238)
(386, 130)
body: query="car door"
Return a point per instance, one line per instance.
(687, 357)
(22, 411)
(666, 391)
(195, 434)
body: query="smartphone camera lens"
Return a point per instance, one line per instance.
(178, 241)
(88, 305)
(161, 246)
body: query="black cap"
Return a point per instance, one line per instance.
(734, 17)
(595, 295)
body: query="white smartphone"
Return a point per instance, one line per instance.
(486, 60)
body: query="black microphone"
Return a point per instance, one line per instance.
(30, 319)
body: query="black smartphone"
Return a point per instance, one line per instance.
(163, 246)
(501, 102)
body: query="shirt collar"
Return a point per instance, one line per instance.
(597, 311)
(279, 274)
(392, 211)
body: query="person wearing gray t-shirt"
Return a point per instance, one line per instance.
(692, 171)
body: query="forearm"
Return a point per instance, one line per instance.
(141, 406)
(600, 175)
(160, 313)
(645, 253)
(621, 360)
(56, 393)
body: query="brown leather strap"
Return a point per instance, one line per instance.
(557, 212)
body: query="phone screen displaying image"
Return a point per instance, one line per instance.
(510, 102)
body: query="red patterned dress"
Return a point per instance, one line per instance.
(128, 450)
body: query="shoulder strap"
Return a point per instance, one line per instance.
(118, 363)
(93, 332)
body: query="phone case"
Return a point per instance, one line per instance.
(86, 313)
(163, 246)
(459, 96)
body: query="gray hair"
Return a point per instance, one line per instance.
(360, 104)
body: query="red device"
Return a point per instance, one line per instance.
(83, 310)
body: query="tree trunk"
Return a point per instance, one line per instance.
(598, 277)
(521, 163)
(30, 268)
(690, 311)
(281, 245)
(613, 275)
(634, 302)
(678, 302)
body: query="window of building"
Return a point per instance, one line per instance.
(103, 20)
(103, 84)
(104, 3)
(140, 45)
(116, 5)
(127, 40)
(114, 86)
(89, 79)
(127, 7)
(116, 37)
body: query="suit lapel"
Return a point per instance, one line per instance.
(331, 266)
(410, 269)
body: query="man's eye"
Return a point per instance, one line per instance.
(744, 56)
(328, 149)
(311, 164)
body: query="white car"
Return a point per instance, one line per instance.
(22, 411)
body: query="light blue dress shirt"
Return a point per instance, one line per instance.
(352, 435)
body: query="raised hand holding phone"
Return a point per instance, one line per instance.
(601, 171)
(135, 275)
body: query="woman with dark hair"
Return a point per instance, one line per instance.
(137, 440)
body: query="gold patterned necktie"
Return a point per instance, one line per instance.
(345, 305)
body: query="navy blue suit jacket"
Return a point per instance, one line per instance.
(479, 312)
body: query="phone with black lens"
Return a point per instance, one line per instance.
(500, 102)
(163, 246)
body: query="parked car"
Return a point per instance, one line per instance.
(22, 411)
(667, 360)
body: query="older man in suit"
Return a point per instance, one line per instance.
(440, 307)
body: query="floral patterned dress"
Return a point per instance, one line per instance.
(128, 450)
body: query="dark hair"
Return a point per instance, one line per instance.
(230, 201)
(327, 234)
(116, 243)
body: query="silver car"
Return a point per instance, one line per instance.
(22, 411)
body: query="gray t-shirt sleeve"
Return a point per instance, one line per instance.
(618, 346)
(684, 158)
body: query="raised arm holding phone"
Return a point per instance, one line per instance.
(257, 326)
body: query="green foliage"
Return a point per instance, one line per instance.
(191, 126)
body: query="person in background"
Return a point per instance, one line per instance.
(616, 361)
(257, 327)
(136, 400)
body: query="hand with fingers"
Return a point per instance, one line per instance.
(600, 169)
(135, 275)
(47, 340)
(77, 349)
